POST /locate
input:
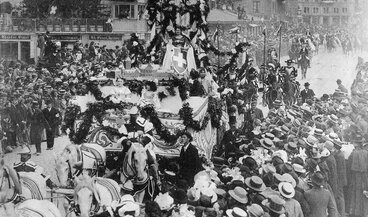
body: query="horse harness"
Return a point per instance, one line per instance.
(95, 207)
(15, 197)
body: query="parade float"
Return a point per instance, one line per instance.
(103, 115)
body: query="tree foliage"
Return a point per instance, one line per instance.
(65, 8)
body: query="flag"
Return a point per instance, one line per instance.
(153, 31)
(278, 30)
(215, 35)
(53, 10)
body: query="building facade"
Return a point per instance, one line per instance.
(18, 36)
(326, 12)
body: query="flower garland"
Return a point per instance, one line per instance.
(95, 110)
(149, 112)
(98, 110)
(186, 114)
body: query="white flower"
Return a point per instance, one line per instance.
(233, 51)
(135, 43)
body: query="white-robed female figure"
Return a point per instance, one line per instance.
(179, 40)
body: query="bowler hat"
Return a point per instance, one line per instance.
(318, 178)
(306, 84)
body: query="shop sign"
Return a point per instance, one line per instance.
(16, 37)
(66, 37)
(106, 37)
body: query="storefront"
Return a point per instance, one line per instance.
(67, 40)
(16, 47)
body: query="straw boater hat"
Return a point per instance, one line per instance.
(267, 143)
(255, 210)
(333, 118)
(239, 194)
(291, 147)
(275, 204)
(236, 212)
(318, 132)
(310, 140)
(286, 190)
(298, 168)
(289, 179)
(255, 183)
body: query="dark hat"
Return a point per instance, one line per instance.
(318, 178)
(287, 168)
(232, 119)
(255, 183)
(275, 204)
(306, 84)
(277, 160)
(180, 196)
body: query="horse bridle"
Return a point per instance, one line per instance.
(76, 209)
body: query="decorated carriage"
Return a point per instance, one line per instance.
(100, 122)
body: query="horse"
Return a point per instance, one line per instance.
(135, 172)
(294, 51)
(33, 185)
(10, 185)
(91, 194)
(77, 159)
(303, 62)
(290, 89)
(30, 208)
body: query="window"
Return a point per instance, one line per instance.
(315, 10)
(306, 10)
(125, 11)
(336, 10)
(344, 10)
(256, 6)
(325, 10)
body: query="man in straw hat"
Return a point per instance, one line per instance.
(292, 206)
(238, 198)
(320, 199)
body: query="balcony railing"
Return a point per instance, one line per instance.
(69, 25)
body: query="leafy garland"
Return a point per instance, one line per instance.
(98, 110)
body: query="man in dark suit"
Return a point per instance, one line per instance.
(342, 178)
(229, 140)
(189, 159)
(307, 93)
(52, 117)
(319, 199)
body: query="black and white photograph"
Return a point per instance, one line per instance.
(183, 108)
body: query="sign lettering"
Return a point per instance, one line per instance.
(18, 37)
(66, 37)
(106, 37)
